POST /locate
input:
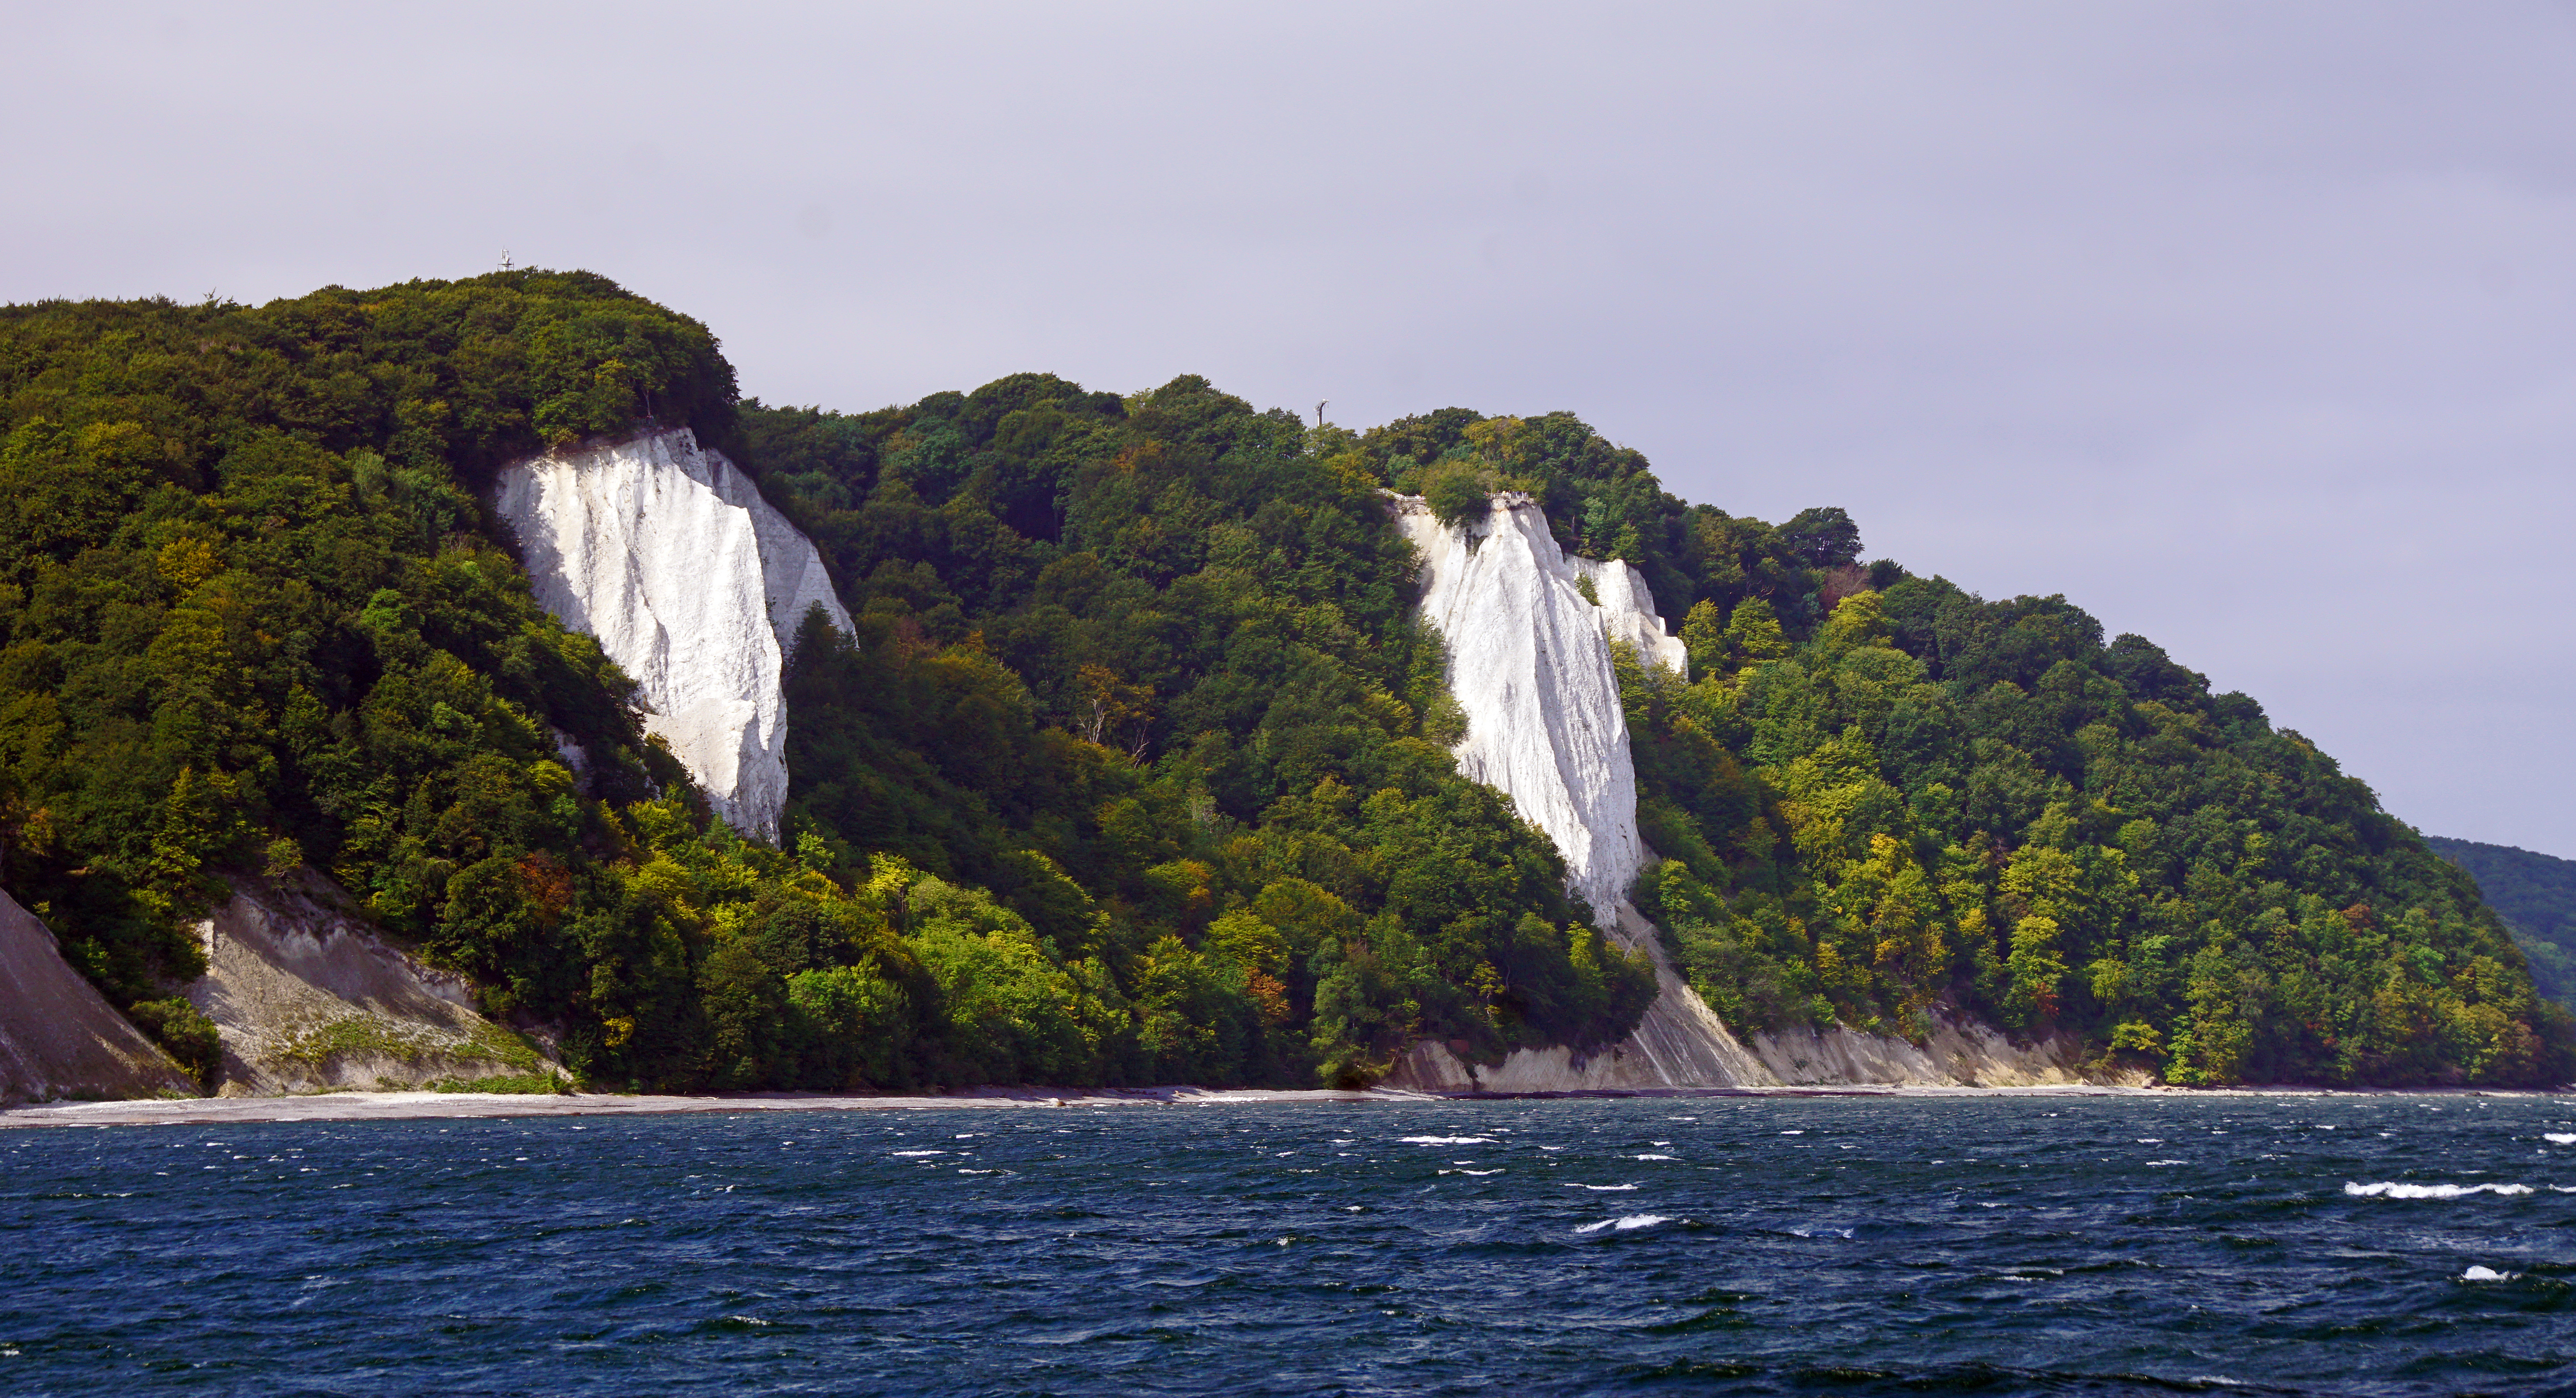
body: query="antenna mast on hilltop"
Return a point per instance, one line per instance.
(505, 259)
(1319, 412)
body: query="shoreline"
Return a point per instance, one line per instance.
(424, 1106)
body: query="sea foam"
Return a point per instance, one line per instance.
(1624, 1223)
(2385, 1190)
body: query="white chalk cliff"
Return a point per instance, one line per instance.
(1529, 663)
(693, 584)
(1626, 609)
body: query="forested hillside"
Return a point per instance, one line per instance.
(255, 616)
(1880, 794)
(1136, 768)
(2535, 894)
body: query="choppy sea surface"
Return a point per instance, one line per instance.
(2318, 1245)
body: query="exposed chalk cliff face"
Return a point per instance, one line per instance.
(307, 998)
(58, 1036)
(1627, 612)
(693, 584)
(1529, 662)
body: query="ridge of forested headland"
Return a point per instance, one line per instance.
(2535, 894)
(1136, 768)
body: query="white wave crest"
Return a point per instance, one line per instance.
(1602, 1188)
(1654, 1157)
(909, 1153)
(1445, 1140)
(2487, 1274)
(2560, 1138)
(2386, 1190)
(1624, 1223)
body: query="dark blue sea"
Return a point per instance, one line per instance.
(2345, 1245)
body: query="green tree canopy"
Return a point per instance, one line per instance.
(1136, 766)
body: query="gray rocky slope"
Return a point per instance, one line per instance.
(306, 997)
(58, 1036)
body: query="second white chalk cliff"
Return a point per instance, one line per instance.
(1529, 663)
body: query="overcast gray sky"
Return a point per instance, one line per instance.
(2250, 328)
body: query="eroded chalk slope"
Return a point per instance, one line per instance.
(306, 997)
(58, 1036)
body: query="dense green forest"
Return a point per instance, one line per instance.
(2535, 894)
(1126, 777)
(1880, 796)
(1136, 768)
